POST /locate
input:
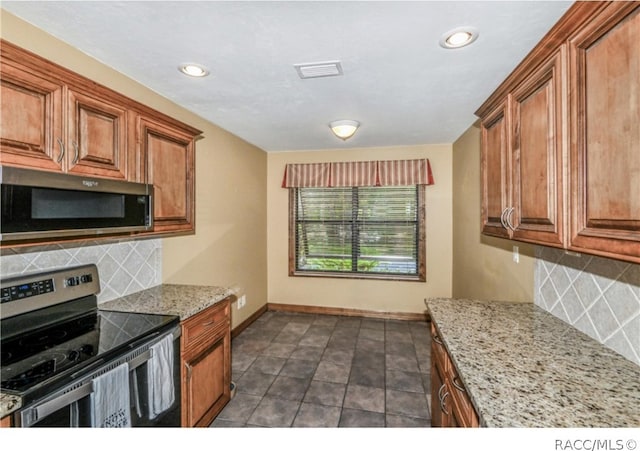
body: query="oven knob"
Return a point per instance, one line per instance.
(87, 349)
(74, 355)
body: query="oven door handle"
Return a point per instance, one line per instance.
(139, 360)
(31, 415)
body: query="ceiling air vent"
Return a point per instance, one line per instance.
(316, 70)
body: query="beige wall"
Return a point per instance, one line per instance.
(242, 228)
(229, 247)
(372, 295)
(483, 267)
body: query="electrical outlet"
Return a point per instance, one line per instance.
(242, 301)
(516, 254)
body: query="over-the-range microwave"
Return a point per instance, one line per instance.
(40, 204)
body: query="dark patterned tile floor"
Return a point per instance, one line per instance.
(305, 370)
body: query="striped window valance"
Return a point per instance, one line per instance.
(358, 173)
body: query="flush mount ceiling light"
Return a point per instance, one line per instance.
(458, 37)
(193, 70)
(344, 129)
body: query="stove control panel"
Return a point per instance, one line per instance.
(25, 293)
(26, 290)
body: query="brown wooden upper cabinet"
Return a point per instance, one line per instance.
(560, 137)
(495, 173)
(169, 153)
(522, 159)
(97, 137)
(604, 157)
(54, 119)
(31, 111)
(48, 124)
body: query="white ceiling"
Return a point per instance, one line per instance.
(398, 82)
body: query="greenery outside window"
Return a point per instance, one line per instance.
(358, 232)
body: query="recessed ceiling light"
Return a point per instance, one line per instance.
(458, 37)
(194, 70)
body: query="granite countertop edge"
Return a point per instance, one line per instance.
(9, 403)
(179, 300)
(523, 367)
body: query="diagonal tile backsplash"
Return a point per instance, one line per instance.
(124, 267)
(598, 296)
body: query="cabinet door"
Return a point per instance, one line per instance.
(5, 422)
(31, 112)
(438, 417)
(494, 164)
(97, 137)
(206, 382)
(605, 127)
(439, 363)
(461, 407)
(537, 150)
(170, 167)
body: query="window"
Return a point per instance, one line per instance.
(366, 231)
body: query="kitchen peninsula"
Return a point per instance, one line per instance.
(522, 367)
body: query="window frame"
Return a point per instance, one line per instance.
(421, 254)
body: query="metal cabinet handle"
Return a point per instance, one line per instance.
(188, 370)
(458, 384)
(444, 396)
(507, 218)
(504, 224)
(77, 155)
(61, 156)
(437, 339)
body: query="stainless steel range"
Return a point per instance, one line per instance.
(74, 365)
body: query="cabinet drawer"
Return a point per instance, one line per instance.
(460, 400)
(438, 351)
(205, 324)
(451, 406)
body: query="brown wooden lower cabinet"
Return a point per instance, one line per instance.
(5, 422)
(450, 404)
(206, 364)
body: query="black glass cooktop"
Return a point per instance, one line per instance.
(56, 353)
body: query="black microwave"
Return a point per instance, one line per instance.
(44, 205)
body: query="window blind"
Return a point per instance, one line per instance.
(368, 230)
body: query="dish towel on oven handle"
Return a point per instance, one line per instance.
(160, 377)
(110, 399)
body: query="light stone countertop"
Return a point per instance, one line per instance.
(169, 299)
(9, 403)
(523, 367)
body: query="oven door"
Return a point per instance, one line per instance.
(72, 406)
(139, 394)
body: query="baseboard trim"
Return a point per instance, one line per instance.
(403, 316)
(293, 308)
(247, 322)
